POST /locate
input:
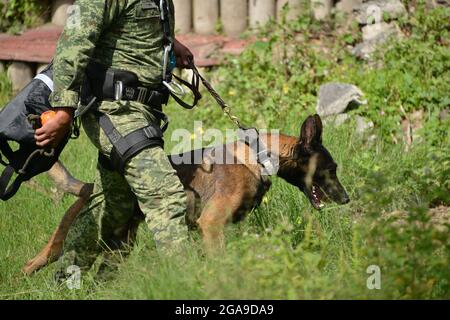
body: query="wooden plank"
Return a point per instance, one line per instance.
(39, 46)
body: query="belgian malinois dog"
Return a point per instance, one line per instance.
(222, 193)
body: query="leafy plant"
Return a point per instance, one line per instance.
(20, 14)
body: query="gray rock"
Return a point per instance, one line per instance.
(374, 35)
(334, 98)
(363, 125)
(348, 5)
(336, 120)
(364, 50)
(20, 74)
(321, 9)
(374, 10)
(380, 32)
(436, 3)
(443, 2)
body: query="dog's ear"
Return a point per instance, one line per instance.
(311, 132)
(319, 127)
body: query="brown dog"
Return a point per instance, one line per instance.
(222, 193)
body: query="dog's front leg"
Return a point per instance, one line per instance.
(212, 221)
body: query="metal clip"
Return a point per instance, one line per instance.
(166, 60)
(81, 110)
(118, 90)
(179, 90)
(266, 161)
(161, 7)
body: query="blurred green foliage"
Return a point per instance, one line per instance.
(21, 14)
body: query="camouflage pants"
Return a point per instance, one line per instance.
(109, 220)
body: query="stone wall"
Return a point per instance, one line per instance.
(235, 16)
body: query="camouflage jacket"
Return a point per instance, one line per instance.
(123, 34)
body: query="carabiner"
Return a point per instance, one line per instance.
(161, 7)
(166, 60)
(179, 91)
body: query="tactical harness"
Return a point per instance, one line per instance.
(112, 84)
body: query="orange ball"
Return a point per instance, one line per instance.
(47, 115)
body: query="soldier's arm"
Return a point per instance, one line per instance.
(86, 22)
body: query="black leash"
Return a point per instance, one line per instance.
(249, 135)
(223, 105)
(194, 86)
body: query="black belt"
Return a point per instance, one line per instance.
(113, 84)
(147, 96)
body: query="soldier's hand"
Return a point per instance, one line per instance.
(55, 129)
(184, 56)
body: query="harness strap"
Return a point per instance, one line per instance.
(144, 95)
(126, 147)
(251, 138)
(6, 150)
(2, 162)
(6, 192)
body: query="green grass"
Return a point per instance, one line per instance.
(283, 250)
(397, 219)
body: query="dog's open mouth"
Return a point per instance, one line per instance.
(316, 196)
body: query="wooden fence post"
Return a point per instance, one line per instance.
(261, 11)
(206, 14)
(20, 74)
(183, 16)
(59, 11)
(295, 8)
(234, 16)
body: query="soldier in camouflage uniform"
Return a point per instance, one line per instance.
(126, 35)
